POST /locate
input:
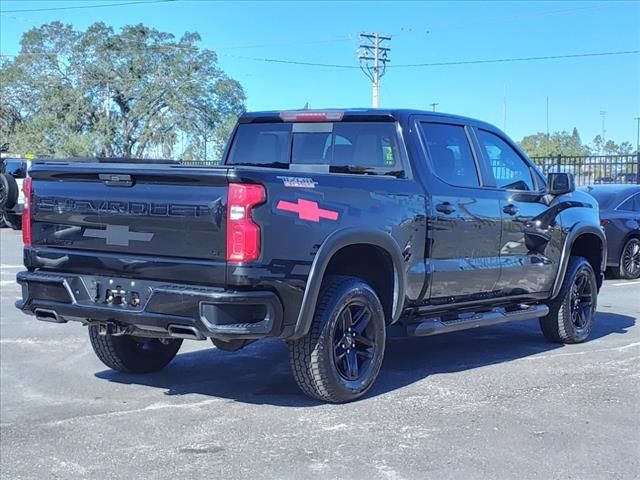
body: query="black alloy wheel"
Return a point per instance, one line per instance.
(582, 305)
(354, 341)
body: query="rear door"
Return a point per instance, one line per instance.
(465, 226)
(530, 242)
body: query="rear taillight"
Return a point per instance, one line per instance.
(243, 235)
(604, 222)
(26, 214)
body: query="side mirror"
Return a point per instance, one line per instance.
(560, 183)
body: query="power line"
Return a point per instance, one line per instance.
(76, 7)
(438, 64)
(521, 59)
(289, 62)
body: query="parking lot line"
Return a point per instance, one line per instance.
(11, 267)
(622, 284)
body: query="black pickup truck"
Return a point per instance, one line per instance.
(322, 228)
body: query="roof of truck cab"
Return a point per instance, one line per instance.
(365, 113)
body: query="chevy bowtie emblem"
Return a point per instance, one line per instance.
(307, 210)
(118, 235)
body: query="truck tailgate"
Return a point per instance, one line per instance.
(147, 210)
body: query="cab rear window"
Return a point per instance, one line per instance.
(353, 145)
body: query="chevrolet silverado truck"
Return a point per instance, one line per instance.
(322, 228)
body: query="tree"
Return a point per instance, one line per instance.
(541, 145)
(625, 148)
(598, 144)
(104, 93)
(611, 148)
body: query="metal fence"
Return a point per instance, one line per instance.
(594, 168)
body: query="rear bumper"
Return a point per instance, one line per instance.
(211, 312)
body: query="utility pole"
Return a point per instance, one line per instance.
(373, 58)
(433, 106)
(637, 119)
(603, 114)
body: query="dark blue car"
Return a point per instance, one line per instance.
(620, 217)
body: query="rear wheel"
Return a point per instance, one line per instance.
(571, 313)
(340, 357)
(131, 354)
(630, 260)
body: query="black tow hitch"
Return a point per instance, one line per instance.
(113, 329)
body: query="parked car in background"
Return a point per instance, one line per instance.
(13, 171)
(626, 177)
(604, 179)
(620, 218)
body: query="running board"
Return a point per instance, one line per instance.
(434, 326)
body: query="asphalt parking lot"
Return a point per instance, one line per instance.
(492, 403)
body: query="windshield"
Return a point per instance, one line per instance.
(355, 147)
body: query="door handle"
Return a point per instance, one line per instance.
(445, 208)
(510, 209)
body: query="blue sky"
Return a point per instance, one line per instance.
(423, 32)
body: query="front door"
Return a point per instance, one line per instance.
(530, 243)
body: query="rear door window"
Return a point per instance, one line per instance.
(450, 153)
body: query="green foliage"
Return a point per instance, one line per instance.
(570, 145)
(129, 94)
(611, 148)
(564, 143)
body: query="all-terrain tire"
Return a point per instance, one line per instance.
(133, 354)
(348, 324)
(571, 313)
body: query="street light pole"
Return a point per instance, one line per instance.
(603, 114)
(637, 119)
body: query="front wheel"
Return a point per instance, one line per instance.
(571, 313)
(131, 354)
(630, 260)
(340, 357)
